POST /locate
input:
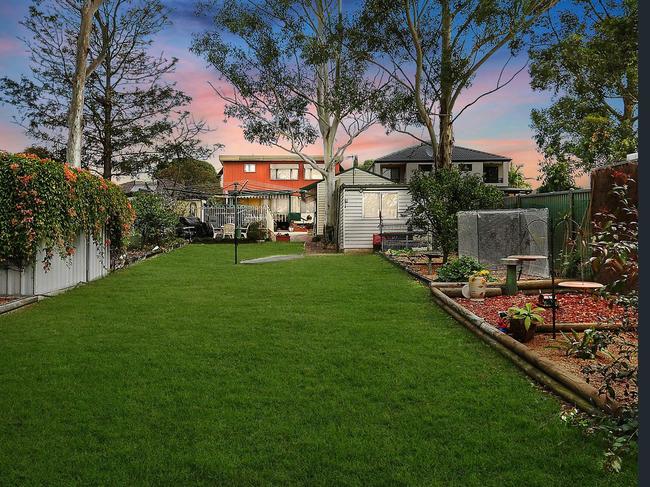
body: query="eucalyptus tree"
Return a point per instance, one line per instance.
(87, 11)
(588, 58)
(432, 50)
(133, 115)
(289, 76)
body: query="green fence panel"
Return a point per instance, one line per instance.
(560, 204)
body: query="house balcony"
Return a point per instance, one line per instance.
(492, 180)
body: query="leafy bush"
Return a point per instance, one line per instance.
(592, 342)
(155, 217)
(47, 204)
(459, 270)
(255, 231)
(615, 248)
(439, 196)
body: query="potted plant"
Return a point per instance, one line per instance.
(478, 284)
(524, 321)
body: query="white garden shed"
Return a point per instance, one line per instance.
(353, 176)
(361, 208)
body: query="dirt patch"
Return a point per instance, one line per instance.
(320, 248)
(544, 345)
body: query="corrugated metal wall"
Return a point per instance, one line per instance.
(354, 176)
(357, 231)
(89, 262)
(560, 204)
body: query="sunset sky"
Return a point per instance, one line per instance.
(498, 123)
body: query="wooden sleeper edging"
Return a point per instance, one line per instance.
(578, 387)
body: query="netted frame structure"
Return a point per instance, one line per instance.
(491, 235)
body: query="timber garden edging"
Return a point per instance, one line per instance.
(543, 370)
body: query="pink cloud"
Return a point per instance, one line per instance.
(9, 46)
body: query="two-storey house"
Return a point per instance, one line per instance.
(274, 180)
(400, 165)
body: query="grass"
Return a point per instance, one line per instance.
(333, 370)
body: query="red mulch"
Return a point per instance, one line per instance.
(573, 308)
(6, 299)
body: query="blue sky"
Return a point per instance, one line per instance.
(499, 123)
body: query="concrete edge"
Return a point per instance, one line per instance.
(18, 303)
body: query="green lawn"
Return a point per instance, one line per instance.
(330, 370)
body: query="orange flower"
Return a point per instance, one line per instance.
(14, 166)
(69, 175)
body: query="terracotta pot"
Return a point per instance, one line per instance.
(519, 332)
(477, 287)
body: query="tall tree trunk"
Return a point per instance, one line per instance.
(423, 114)
(107, 144)
(446, 79)
(75, 114)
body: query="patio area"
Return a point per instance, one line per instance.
(325, 370)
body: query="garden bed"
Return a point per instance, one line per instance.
(419, 264)
(538, 358)
(573, 308)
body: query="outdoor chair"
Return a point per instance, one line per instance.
(216, 231)
(243, 232)
(228, 230)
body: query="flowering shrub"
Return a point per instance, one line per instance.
(46, 204)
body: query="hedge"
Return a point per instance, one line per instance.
(47, 204)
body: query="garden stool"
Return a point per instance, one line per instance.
(511, 276)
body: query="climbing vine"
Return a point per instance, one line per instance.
(46, 204)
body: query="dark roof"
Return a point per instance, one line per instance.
(418, 153)
(315, 183)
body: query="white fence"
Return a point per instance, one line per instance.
(220, 215)
(89, 262)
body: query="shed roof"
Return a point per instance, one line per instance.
(418, 153)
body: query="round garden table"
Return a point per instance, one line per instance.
(581, 285)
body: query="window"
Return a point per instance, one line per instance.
(465, 167)
(392, 173)
(284, 172)
(311, 173)
(249, 167)
(425, 167)
(375, 202)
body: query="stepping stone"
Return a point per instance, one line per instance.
(272, 258)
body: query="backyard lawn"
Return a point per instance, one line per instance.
(185, 369)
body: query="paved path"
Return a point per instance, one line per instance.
(272, 258)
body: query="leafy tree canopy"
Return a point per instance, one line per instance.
(516, 178)
(133, 116)
(192, 173)
(556, 176)
(587, 58)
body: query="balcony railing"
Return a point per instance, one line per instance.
(492, 180)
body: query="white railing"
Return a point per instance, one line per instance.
(218, 216)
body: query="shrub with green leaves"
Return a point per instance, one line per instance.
(436, 199)
(459, 270)
(155, 217)
(47, 204)
(255, 231)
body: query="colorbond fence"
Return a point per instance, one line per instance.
(561, 205)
